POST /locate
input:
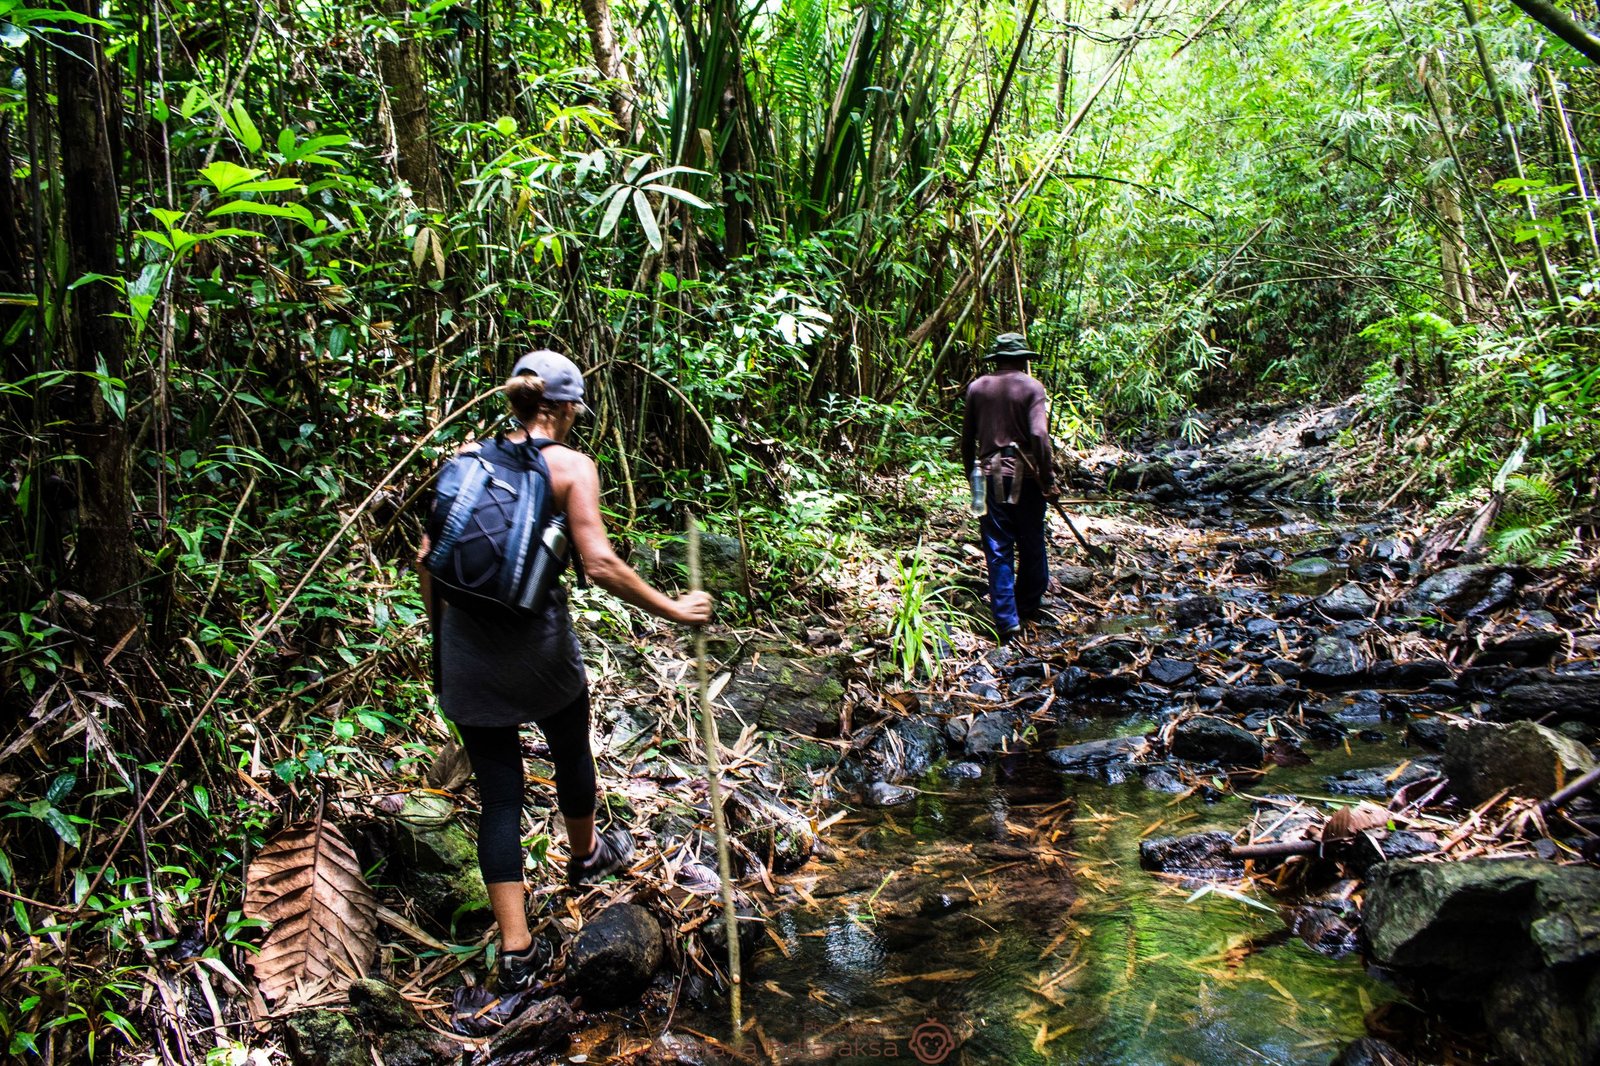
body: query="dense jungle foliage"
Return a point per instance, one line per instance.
(260, 265)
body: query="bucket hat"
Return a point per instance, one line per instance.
(1010, 346)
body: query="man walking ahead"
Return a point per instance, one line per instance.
(1006, 432)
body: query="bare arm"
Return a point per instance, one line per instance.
(608, 570)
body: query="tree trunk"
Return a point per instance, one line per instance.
(417, 163)
(608, 57)
(401, 65)
(95, 339)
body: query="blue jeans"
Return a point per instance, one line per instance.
(1014, 546)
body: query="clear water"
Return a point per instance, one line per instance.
(937, 913)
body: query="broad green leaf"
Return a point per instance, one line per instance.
(269, 185)
(225, 175)
(252, 207)
(243, 128)
(61, 788)
(58, 821)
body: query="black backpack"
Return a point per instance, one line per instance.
(496, 543)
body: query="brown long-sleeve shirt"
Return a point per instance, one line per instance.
(1008, 407)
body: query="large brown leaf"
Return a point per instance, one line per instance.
(307, 883)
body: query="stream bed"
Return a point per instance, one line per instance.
(1011, 913)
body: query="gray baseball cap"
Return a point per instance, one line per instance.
(563, 381)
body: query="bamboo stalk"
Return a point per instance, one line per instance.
(708, 729)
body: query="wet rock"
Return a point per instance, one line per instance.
(1261, 628)
(1199, 855)
(1479, 917)
(615, 955)
(1529, 759)
(1545, 694)
(1520, 937)
(1255, 562)
(1107, 761)
(529, 1036)
(1413, 674)
(1193, 611)
(1539, 1020)
(1335, 662)
(989, 732)
(1282, 668)
(904, 749)
(1160, 779)
(1347, 602)
(1071, 681)
(883, 794)
(1311, 566)
(1169, 672)
(1429, 733)
(434, 861)
(1366, 850)
(963, 771)
(1354, 710)
(1382, 781)
(1212, 740)
(1328, 926)
(1462, 592)
(771, 830)
(1260, 697)
(1530, 647)
(1367, 1051)
(1109, 656)
(787, 695)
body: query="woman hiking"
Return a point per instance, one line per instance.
(498, 671)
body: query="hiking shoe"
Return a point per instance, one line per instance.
(613, 850)
(1009, 634)
(519, 969)
(1043, 618)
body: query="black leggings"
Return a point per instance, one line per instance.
(496, 754)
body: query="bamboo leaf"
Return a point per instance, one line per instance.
(619, 200)
(647, 219)
(679, 194)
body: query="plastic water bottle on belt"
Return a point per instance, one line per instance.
(980, 493)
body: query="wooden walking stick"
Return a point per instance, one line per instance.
(708, 729)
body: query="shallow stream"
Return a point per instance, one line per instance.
(937, 915)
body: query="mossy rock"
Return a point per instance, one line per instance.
(324, 1038)
(793, 696)
(434, 859)
(722, 569)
